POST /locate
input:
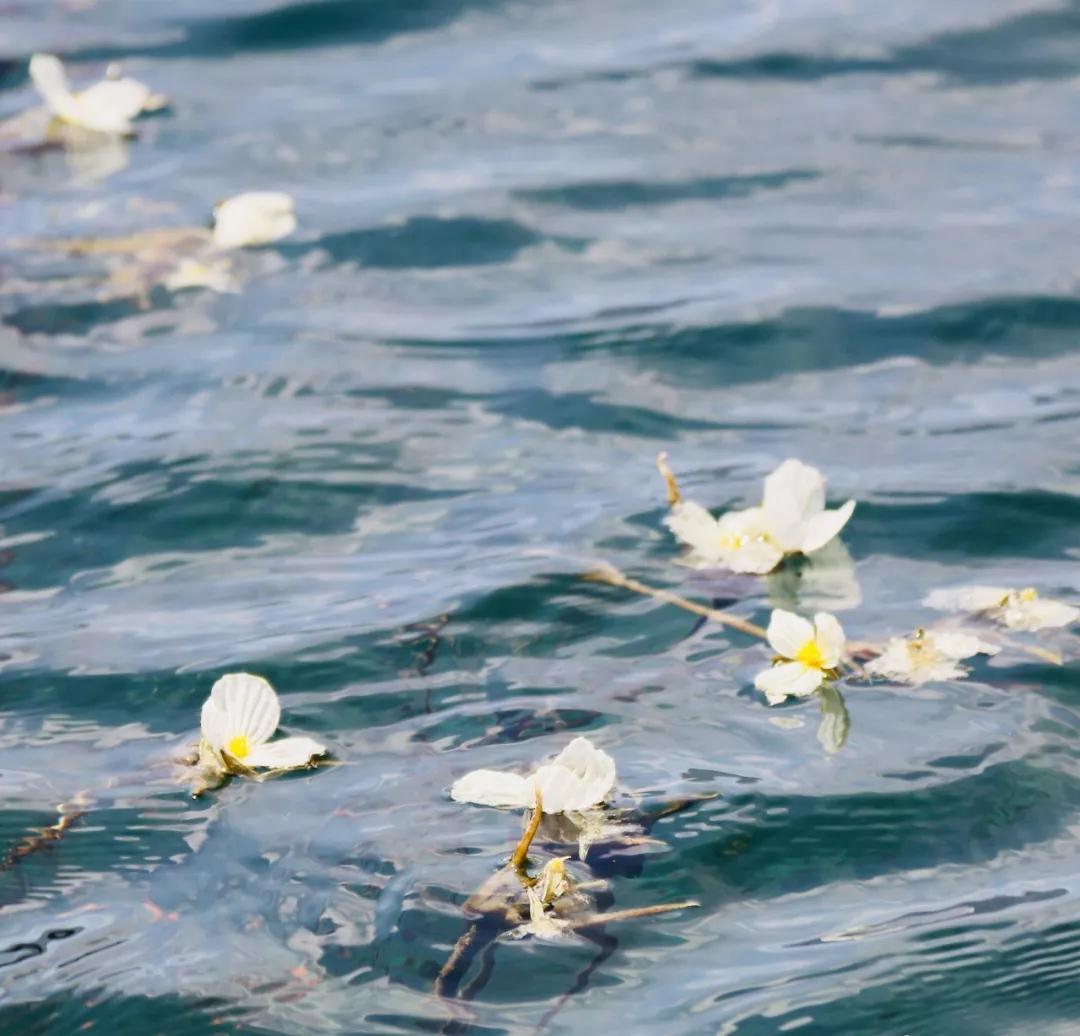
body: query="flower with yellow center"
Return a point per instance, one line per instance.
(1014, 609)
(928, 655)
(807, 654)
(579, 777)
(792, 519)
(107, 107)
(238, 720)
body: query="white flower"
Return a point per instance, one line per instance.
(807, 654)
(1016, 609)
(238, 720)
(105, 107)
(791, 519)
(193, 273)
(253, 218)
(928, 656)
(541, 924)
(579, 777)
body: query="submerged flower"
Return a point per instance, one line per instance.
(791, 519)
(928, 656)
(106, 107)
(1016, 609)
(192, 273)
(253, 218)
(238, 720)
(808, 655)
(579, 777)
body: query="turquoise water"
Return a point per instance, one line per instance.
(538, 244)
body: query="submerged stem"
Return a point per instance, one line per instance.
(629, 915)
(674, 494)
(67, 814)
(614, 577)
(521, 853)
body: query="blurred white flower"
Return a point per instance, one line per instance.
(193, 273)
(253, 218)
(238, 720)
(928, 656)
(1016, 609)
(792, 519)
(579, 777)
(106, 107)
(807, 654)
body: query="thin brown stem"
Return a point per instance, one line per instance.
(629, 915)
(68, 813)
(613, 577)
(674, 494)
(521, 853)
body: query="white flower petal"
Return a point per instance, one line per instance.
(788, 632)
(1038, 614)
(240, 705)
(896, 662)
(253, 218)
(788, 678)
(289, 753)
(493, 788)
(109, 106)
(829, 635)
(49, 77)
(825, 527)
(960, 645)
(592, 765)
(967, 598)
(693, 525)
(794, 493)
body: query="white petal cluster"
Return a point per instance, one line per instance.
(928, 656)
(253, 218)
(807, 654)
(1015, 609)
(791, 519)
(238, 720)
(106, 107)
(579, 777)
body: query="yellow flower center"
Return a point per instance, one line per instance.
(810, 655)
(732, 542)
(238, 747)
(1028, 595)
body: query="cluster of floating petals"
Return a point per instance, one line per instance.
(791, 519)
(807, 655)
(253, 218)
(579, 777)
(238, 720)
(1016, 609)
(107, 107)
(928, 655)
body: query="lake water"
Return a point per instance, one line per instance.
(539, 242)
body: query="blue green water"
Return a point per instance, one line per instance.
(539, 242)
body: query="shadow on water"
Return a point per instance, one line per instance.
(1033, 45)
(612, 195)
(823, 339)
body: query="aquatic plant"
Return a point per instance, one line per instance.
(237, 722)
(807, 654)
(253, 218)
(1014, 609)
(928, 655)
(579, 777)
(791, 519)
(107, 107)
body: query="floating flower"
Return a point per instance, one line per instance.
(808, 655)
(106, 107)
(792, 519)
(1016, 609)
(579, 777)
(238, 720)
(253, 218)
(928, 656)
(215, 275)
